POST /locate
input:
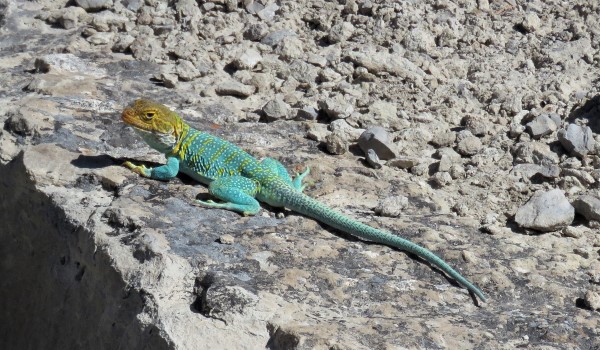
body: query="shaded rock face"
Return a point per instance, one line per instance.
(51, 268)
(588, 206)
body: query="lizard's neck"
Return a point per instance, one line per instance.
(182, 131)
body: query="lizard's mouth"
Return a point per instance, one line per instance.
(130, 119)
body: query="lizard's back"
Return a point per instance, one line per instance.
(206, 157)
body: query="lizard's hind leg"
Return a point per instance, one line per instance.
(237, 194)
(280, 169)
(297, 183)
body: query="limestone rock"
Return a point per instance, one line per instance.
(381, 113)
(234, 88)
(256, 31)
(336, 107)
(392, 206)
(404, 162)
(307, 113)
(567, 50)
(546, 211)
(377, 139)
(530, 170)
(373, 159)
(536, 153)
(588, 206)
(186, 70)
(303, 72)
(276, 109)
(592, 300)
(477, 126)
(444, 139)
(67, 64)
(337, 143)
(248, 59)
(469, 146)
(441, 178)
(290, 47)
(531, 22)
(317, 132)
(541, 126)
(340, 32)
(577, 140)
(273, 38)
(419, 40)
(94, 5)
(379, 62)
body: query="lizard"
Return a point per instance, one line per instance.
(240, 181)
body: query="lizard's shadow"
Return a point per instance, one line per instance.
(94, 162)
(104, 160)
(349, 237)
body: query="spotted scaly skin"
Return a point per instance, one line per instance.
(240, 181)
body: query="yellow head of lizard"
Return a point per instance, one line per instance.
(160, 127)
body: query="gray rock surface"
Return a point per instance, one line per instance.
(186, 70)
(392, 206)
(477, 127)
(535, 153)
(404, 162)
(336, 107)
(276, 37)
(337, 142)
(469, 146)
(307, 113)
(577, 140)
(531, 22)
(528, 171)
(546, 211)
(247, 59)
(541, 126)
(592, 300)
(234, 88)
(94, 5)
(377, 139)
(276, 109)
(93, 256)
(373, 159)
(588, 206)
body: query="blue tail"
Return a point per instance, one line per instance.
(305, 205)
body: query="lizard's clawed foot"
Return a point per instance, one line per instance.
(297, 183)
(138, 169)
(207, 203)
(246, 210)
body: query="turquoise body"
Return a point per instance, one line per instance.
(240, 181)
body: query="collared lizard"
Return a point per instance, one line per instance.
(240, 181)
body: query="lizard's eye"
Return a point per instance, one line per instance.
(149, 115)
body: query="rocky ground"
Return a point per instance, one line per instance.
(480, 141)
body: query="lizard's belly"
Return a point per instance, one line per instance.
(196, 176)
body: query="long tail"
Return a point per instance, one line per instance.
(305, 205)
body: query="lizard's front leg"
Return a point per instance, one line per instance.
(163, 172)
(237, 193)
